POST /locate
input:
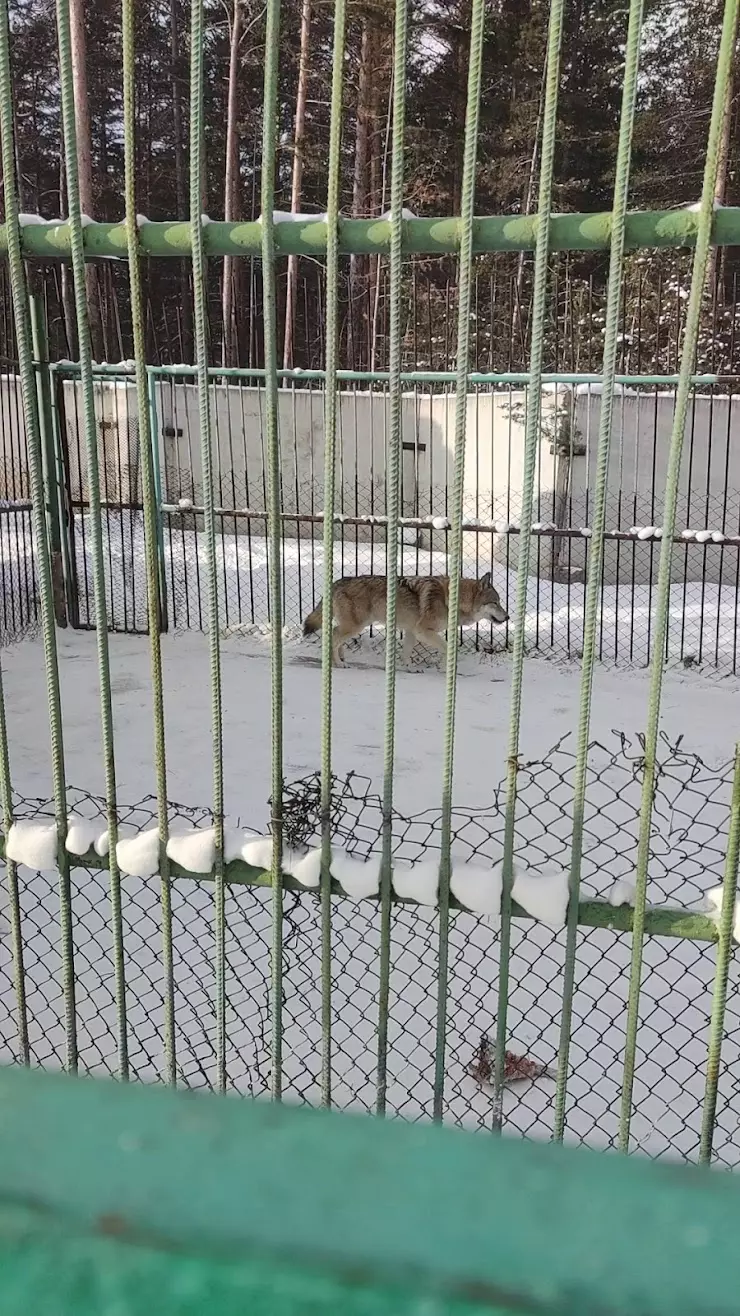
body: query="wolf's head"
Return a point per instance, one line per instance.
(488, 605)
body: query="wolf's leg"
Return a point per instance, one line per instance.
(425, 635)
(409, 644)
(339, 638)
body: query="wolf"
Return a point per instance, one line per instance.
(421, 609)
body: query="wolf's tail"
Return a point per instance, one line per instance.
(313, 620)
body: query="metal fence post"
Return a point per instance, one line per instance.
(49, 452)
(64, 486)
(154, 433)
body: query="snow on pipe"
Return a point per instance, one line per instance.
(31, 221)
(622, 893)
(33, 842)
(278, 217)
(544, 896)
(475, 885)
(545, 528)
(35, 221)
(712, 906)
(296, 217)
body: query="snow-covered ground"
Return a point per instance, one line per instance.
(689, 827)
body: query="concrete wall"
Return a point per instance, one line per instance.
(493, 455)
(493, 450)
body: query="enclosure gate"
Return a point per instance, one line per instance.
(332, 874)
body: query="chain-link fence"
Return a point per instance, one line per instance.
(688, 844)
(703, 614)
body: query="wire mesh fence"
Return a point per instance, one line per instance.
(706, 563)
(688, 848)
(705, 590)
(703, 623)
(19, 611)
(18, 583)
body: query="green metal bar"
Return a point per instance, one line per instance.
(393, 509)
(40, 527)
(381, 376)
(330, 461)
(39, 340)
(72, 603)
(721, 972)
(531, 442)
(596, 555)
(156, 473)
(688, 355)
(200, 325)
(151, 500)
(11, 874)
(464, 301)
(274, 524)
(439, 236)
(69, 132)
(661, 920)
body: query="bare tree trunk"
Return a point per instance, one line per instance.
(181, 196)
(297, 183)
(461, 54)
(358, 265)
(230, 342)
(528, 203)
(186, 334)
(374, 206)
(716, 266)
(68, 301)
(377, 278)
(84, 161)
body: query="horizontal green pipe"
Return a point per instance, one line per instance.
(124, 369)
(662, 921)
(424, 237)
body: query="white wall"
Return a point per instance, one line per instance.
(493, 449)
(493, 454)
(14, 480)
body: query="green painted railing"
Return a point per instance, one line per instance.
(420, 237)
(117, 1198)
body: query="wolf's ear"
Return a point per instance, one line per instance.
(485, 582)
